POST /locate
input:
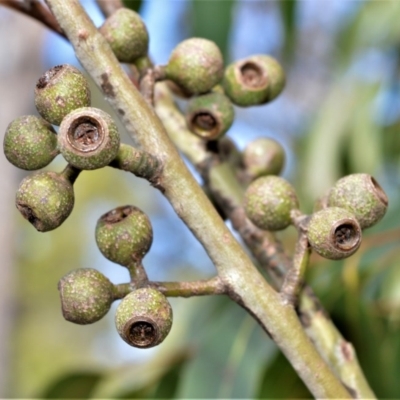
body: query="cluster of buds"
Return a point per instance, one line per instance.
(354, 203)
(88, 139)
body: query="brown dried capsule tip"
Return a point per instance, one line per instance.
(88, 138)
(144, 318)
(334, 233)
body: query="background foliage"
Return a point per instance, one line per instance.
(339, 114)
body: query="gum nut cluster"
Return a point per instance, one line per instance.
(88, 138)
(362, 195)
(334, 233)
(59, 91)
(210, 115)
(196, 65)
(144, 318)
(254, 80)
(269, 201)
(263, 156)
(30, 143)
(126, 34)
(124, 235)
(86, 296)
(45, 199)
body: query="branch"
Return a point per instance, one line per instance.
(36, 10)
(228, 193)
(206, 287)
(245, 284)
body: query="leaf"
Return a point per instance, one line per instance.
(288, 12)
(231, 348)
(133, 4)
(280, 381)
(75, 385)
(212, 20)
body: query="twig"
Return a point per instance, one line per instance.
(244, 283)
(213, 286)
(37, 10)
(227, 191)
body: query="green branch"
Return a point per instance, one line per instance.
(267, 250)
(244, 283)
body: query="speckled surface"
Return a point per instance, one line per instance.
(263, 156)
(127, 35)
(30, 143)
(125, 240)
(196, 65)
(362, 195)
(60, 91)
(271, 79)
(321, 233)
(45, 199)
(89, 157)
(216, 105)
(151, 307)
(86, 296)
(268, 202)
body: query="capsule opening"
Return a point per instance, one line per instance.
(252, 75)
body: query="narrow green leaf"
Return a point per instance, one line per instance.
(212, 20)
(76, 385)
(288, 12)
(280, 381)
(133, 4)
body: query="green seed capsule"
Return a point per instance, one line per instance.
(30, 143)
(144, 318)
(60, 90)
(86, 296)
(124, 235)
(88, 138)
(361, 195)
(196, 65)
(127, 35)
(45, 199)
(269, 201)
(263, 156)
(210, 115)
(252, 81)
(334, 233)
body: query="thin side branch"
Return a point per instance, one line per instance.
(206, 287)
(245, 284)
(36, 10)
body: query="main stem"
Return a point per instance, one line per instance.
(245, 284)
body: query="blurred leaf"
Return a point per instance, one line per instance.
(288, 12)
(231, 349)
(133, 4)
(72, 386)
(212, 20)
(364, 142)
(280, 381)
(374, 25)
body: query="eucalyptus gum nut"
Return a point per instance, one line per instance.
(254, 80)
(334, 233)
(268, 202)
(210, 115)
(196, 65)
(86, 296)
(30, 143)
(60, 90)
(124, 235)
(88, 138)
(362, 195)
(126, 34)
(263, 156)
(144, 318)
(45, 199)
